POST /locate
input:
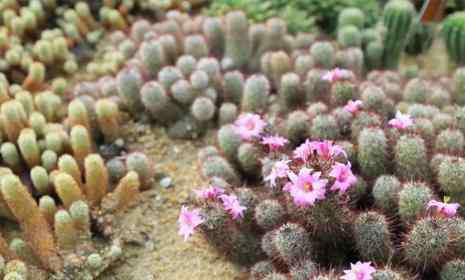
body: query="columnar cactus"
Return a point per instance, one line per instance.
(453, 29)
(397, 18)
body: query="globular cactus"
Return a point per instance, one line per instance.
(158, 103)
(229, 141)
(397, 18)
(349, 36)
(292, 243)
(129, 83)
(324, 127)
(454, 269)
(411, 158)
(215, 35)
(303, 270)
(196, 46)
(261, 269)
(248, 158)
(450, 141)
(324, 54)
(290, 92)
(256, 91)
(453, 30)
(139, 163)
(451, 177)
(227, 113)
(372, 152)
(238, 46)
(269, 214)
(351, 16)
(427, 244)
(153, 56)
(386, 192)
(297, 127)
(372, 237)
(413, 200)
(233, 85)
(203, 109)
(275, 65)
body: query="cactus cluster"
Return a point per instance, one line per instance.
(334, 167)
(62, 170)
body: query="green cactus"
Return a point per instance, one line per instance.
(349, 36)
(248, 156)
(427, 244)
(256, 92)
(397, 18)
(324, 127)
(129, 85)
(372, 237)
(292, 243)
(153, 57)
(453, 31)
(238, 45)
(411, 158)
(450, 141)
(227, 113)
(297, 126)
(413, 200)
(261, 269)
(453, 270)
(385, 192)
(269, 214)
(323, 54)
(372, 152)
(203, 109)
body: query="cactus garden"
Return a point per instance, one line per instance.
(232, 139)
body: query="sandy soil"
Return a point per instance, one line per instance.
(155, 250)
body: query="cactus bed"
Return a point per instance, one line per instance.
(194, 147)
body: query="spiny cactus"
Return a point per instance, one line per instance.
(397, 18)
(452, 31)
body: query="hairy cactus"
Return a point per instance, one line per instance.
(372, 237)
(372, 154)
(238, 47)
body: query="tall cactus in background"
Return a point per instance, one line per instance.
(397, 18)
(454, 35)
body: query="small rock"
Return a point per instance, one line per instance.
(166, 182)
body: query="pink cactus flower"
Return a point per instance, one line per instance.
(188, 221)
(401, 121)
(337, 74)
(274, 143)
(211, 193)
(327, 150)
(344, 177)
(279, 170)
(249, 126)
(448, 210)
(231, 204)
(306, 188)
(359, 271)
(304, 151)
(353, 106)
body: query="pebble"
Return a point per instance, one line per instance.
(166, 182)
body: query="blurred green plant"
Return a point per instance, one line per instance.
(258, 11)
